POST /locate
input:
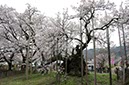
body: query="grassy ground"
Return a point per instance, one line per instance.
(50, 79)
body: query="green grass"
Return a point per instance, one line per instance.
(34, 79)
(50, 79)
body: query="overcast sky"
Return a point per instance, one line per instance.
(51, 7)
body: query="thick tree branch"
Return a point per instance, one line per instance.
(26, 35)
(105, 26)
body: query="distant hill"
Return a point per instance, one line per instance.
(115, 50)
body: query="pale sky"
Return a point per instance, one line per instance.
(50, 8)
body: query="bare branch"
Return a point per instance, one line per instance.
(105, 26)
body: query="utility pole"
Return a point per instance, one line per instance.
(81, 54)
(57, 62)
(94, 46)
(81, 50)
(123, 67)
(31, 55)
(125, 52)
(109, 55)
(66, 57)
(86, 57)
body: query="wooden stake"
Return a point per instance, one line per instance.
(94, 46)
(109, 56)
(123, 68)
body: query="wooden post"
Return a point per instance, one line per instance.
(66, 57)
(123, 68)
(94, 46)
(51, 63)
(125, 52)
(31, 61)
(86, 67)
(57, 61)
(109, 55)
(81, 54)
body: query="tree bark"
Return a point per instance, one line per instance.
(9, 66)
(23, 66)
